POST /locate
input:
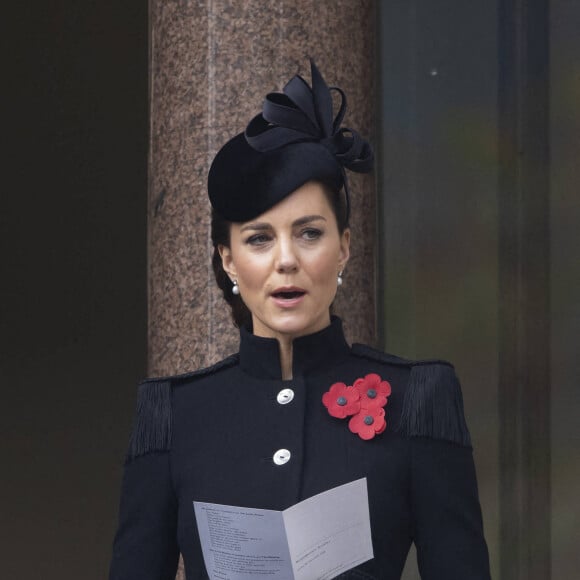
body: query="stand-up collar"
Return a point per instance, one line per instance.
(261, 356)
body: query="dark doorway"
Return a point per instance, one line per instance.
(73, 227)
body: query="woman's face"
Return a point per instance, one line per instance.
(286, 263)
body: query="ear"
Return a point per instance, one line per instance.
(344, 249)
(227, 261)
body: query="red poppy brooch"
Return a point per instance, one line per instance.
(363, 402)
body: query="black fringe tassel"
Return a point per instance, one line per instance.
(152, 425)
(433, 405)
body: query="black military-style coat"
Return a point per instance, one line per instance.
(214, 436)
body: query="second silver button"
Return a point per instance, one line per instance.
(281, 456)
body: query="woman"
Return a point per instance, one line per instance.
(298, 411)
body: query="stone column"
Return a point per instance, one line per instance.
(212, 63)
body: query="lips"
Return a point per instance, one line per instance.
(288, 293)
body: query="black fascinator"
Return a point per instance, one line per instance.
(296, 138)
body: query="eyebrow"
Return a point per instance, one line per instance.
(307, 219)
(262, 226)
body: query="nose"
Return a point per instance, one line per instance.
(286, 258)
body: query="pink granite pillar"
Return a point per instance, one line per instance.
(212, 62)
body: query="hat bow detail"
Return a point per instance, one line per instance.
(303, 113)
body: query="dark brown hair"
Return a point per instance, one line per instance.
(220, 236)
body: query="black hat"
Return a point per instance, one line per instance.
(294, 140)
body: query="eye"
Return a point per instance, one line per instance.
(258, 239)
(311, 233)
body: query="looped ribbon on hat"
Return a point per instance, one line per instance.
(302, 113)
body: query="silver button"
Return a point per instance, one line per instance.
(285, 396)
(281, 456)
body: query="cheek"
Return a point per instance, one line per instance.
(324, 269)
(252, 269)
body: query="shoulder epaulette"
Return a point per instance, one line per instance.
(433, 403)
(152, 426)
(152, 423)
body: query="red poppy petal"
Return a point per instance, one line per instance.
(386, 388)
(352, 394)
(354, 423)
(329, 400)
(352, 407)
(382, 400)
(366, 434)
(360, 387)
(371, 404)
(337, 387)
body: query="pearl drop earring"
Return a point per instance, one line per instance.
(339, 279)
(235, 288)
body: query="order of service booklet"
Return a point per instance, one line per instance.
(316, 539)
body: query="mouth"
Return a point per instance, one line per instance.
(288, 295)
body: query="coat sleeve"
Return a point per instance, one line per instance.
(448, 528)
(145, 545)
